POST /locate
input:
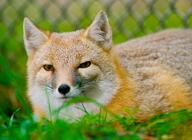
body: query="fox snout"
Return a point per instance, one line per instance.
(64, 89)
(68, 84)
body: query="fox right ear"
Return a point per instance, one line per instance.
(33, 37)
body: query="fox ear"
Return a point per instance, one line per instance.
(33, 37)
(100, 31)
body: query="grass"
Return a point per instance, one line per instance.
(169, 126)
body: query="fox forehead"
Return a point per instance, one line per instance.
(66, 39)
(65, 47)
(68, 48)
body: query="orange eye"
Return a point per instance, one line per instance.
(48, 67)
(85, 64)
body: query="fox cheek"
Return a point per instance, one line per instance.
(90, 73)
(44, 78)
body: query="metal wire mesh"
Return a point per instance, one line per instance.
(128, 17)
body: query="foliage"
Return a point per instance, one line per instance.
(128, 19)
(171, 126)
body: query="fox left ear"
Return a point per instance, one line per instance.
(100, 31)
(33, 37)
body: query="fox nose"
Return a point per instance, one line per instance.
(64, 89)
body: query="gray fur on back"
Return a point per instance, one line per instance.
(142, 57)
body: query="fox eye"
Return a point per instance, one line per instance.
(48, 67)
(85, 64)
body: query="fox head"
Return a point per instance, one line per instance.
(65, 65)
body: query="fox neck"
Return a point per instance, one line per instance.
(123, 98)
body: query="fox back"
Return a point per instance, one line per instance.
(151, 74)
(161, 66)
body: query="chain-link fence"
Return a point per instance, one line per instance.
(128, 18)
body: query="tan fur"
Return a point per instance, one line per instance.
(177, 93)
(141, 77)
(160, 66)
(124, 97)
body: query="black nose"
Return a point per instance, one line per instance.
(64, 89)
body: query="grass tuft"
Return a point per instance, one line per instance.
(174, 125)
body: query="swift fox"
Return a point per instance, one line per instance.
(152, 74)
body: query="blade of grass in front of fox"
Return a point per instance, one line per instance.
(12, 116)
(48, 102)
(102, 116)
(79, 85)
(78, 99)
(83, 109)
(66, 104)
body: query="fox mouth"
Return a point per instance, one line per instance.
(68, 97)
(64, 97)
(73, 95)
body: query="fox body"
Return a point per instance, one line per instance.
(152, 74)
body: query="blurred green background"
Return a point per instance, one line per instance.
(128, 18)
